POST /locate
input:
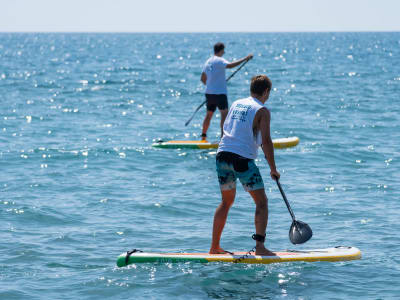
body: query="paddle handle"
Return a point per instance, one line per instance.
(286, 201)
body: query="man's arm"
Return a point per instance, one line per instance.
(238, 62)
(267, 144)
(203, 78)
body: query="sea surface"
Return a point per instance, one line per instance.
(81, 184)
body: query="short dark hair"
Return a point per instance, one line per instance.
(259, 84)
(218, 47)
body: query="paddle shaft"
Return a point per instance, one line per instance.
(299, 232)
(286, 201)
(204, 102)
(233, 74)
(197, 109)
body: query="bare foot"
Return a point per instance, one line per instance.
(218, 251)
(261, 250)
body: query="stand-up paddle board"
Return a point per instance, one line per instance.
(278, 144)
(339, 253)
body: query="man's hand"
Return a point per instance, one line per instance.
(275, 174)
(250, 56)
(203, 78)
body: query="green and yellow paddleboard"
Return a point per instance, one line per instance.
(339, 253)
(278, 144)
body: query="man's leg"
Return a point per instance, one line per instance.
(206, 123)
(224, 113)
(261, 219)
(220, 217)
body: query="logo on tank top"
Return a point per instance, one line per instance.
(240, 112)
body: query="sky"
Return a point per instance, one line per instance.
(198, 15)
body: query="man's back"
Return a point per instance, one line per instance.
(214, 68)
(238, 134)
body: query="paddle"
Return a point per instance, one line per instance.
(299, 231)
(204, 102)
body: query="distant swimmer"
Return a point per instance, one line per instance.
(213, 77)
(247, 126)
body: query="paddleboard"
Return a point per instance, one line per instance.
(278, 144)
(340, 253)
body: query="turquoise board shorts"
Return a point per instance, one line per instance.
(231, 166)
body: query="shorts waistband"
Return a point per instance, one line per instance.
(229, 157)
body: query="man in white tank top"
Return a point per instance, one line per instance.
(246, 127)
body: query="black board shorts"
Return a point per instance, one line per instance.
(214, 101)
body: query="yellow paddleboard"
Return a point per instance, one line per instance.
(278, 144)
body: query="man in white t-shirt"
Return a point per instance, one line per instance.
(213, 77)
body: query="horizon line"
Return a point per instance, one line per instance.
(211, 32)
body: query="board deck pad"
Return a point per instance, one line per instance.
(280, 143)
(339, 253)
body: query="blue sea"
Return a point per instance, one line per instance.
(81, 184)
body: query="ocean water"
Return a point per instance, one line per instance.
(80, 182)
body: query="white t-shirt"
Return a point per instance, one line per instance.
(238, 129)
(214, 68)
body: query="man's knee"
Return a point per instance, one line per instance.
(261, 204)
(209, 114)
(224, 113)
(227, 203)
(228, 197)
(260, 198)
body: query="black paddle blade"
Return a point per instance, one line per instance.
(299, 232)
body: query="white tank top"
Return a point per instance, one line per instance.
(238, 129)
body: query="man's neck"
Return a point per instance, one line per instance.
(259, 98)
